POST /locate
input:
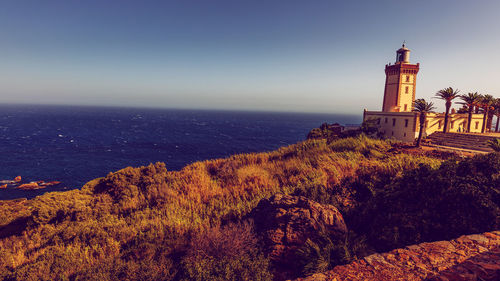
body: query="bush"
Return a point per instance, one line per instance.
(429, 204)
(228, 253)
(322, 254)
(334, 131)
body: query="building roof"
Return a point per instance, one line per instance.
(403, 48)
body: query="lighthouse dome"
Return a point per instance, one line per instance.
(403, 48)
(403, 55)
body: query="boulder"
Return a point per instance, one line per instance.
(28, 186)
(50, 183)
(285, 223)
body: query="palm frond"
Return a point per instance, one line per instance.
(486, 100)
(494, 144)
(447, 94)
(422, 106)
(470, 99)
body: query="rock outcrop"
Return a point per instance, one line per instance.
(285, 223)
(16, 183)
(470, 257)
(29, 186)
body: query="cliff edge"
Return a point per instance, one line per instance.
(469, 257)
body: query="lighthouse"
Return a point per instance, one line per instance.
(397, 119)
(400, 83)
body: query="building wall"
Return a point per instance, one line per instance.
(391, 92)
(407, 92)
(404, 126)
(397, 125)
(400, 87)
(457, 123)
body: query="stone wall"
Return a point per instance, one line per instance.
(470, 257)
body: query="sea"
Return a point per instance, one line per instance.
(75, 144)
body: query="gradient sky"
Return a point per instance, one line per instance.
(312, 56)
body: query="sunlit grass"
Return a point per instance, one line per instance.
(114, 217)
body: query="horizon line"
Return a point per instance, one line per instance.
(178, 108)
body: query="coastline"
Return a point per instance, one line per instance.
(77, 144)
(357, 178)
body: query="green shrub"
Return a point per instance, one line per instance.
(428, 204)
(228, 253)
(322, 254)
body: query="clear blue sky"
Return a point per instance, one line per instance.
(316, 56)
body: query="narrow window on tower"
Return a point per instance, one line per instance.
(406, 90)
(386, 120)
(407, 78)
(406, 121)
(452, 124)
(477, 125)
(406, 107)
(393, 122)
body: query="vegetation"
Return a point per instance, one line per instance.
(322, 255)
(226, 253)
(495, 144)
(326, 131)
(496, 112)
(470, 101)
(447, 95)
(429, 204)
(148, 223)
(332, 132)
(423, 108)
(486, 102)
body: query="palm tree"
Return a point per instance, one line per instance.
(494, 144)
(422, 107)
(448, 95)
(496, 112)
(491, 115)
(470, 101)
(485, 103)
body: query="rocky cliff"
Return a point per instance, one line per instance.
(470, 257)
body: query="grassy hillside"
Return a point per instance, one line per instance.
(149, 223)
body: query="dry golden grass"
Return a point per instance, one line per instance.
(137, 217)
